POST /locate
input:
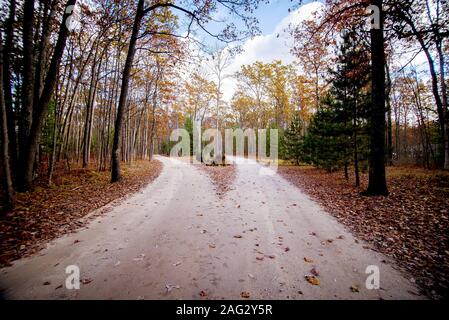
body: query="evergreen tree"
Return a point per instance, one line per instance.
(337, 135)
(188, 125)
(350, 88)
(327, 145)
(293, 140)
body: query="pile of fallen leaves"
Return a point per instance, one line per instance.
(48, 212)
(222, 177)
(411, 225)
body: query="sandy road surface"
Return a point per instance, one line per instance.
(176, 239)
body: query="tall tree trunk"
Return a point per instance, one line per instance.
(434, 78)
(444, 104)
(51, 165)
(377, 177)
(42, 50)
(153, 115)
(121, 109)
(7, 89)
(4, 139)
(356, 146)
(90, 109)
(389, 120)
(26, 117)
(42, 108)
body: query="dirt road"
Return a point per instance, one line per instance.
(177, 240)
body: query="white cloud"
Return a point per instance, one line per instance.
(266, 48)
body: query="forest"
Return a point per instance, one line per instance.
(114, 87)
(100, 85)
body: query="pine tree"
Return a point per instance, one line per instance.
(293, 140)
(350, 87)
(327, 145)
(337, 135)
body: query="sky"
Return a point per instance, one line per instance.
(274, 43)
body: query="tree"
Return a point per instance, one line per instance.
(293, 139)
(326, 144)
(252, 82)
(350, 89)
(221, 60)
(311, 47)
(33, 116)
(115, 169)
(427, 23)
(377, 177)
(7, 81)
(337, 135)
(198, 14)
(10, 197)
(265, 94)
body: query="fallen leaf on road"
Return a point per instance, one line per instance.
(271, 256)
(340, 237)
(308, 260)
(76, 241)
(86, 280)
(212, 246)
(203, 293)
(177, 263)
(245, 295)
(355, 289)
(251, 276)
(170, 287)
(238, 236)
(47, 283)
(315, 272)
(140, 258)
(312, 280)
(58, 287)
(287, 249)
(259, 258)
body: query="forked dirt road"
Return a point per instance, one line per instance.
(177, 240)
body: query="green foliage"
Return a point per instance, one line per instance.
(327, 144)
(293, 140)
(48, 128)
(281, 146)
(188, 125)
(337, 136)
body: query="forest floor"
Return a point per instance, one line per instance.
(411, 225)
(50, 211)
